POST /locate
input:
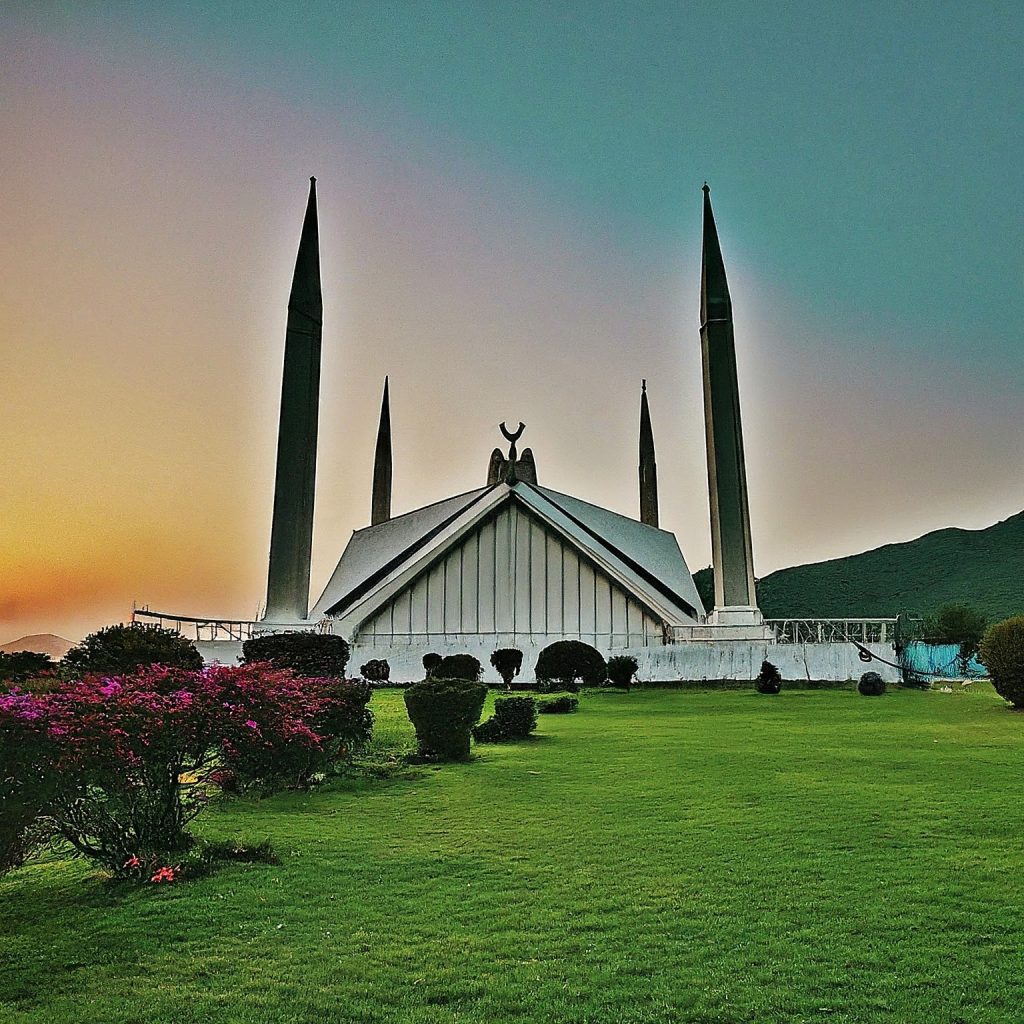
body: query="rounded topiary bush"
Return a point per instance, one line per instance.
(126, 647)
(430, 663)
(376, 670)
(443, 713)
(458, 666)
(314, 655)
(507, 661)
(514, 719)
(871, 685)
(564, 705)
(769, 679)
(621, 670)
(567, 662)
(1002, 653)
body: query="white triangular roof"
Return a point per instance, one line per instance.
(380, 560)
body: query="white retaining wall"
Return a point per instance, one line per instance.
(697, 661)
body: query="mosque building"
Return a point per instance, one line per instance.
(516, 563)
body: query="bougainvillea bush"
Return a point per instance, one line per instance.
(27, 775)
(124, 763)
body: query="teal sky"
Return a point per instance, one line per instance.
(872, 153)
(510, 204)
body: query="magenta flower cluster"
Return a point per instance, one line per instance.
(125, 762)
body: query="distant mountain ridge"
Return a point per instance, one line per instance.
(41, 643)
(982, 568)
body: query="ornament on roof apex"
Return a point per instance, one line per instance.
(515, 467)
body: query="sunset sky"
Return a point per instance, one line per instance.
(510, 209)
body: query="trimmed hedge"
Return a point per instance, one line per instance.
(1002, 653)
(507, 661)
(458, 666)
(376, 670)
(430, 663)
(769, 679)
(314, 655)
(558, 705)
(566, 661)
(129, 646)
(621, 670)
(871, 685)
(443, 713)
(514, 719)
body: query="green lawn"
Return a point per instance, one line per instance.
(660, 856)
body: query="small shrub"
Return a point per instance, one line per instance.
(507, 661)
(566, 661)
(769, 679)
(1002, 654)
(458, 666)
(315, 655)
(514, 719)
(430, 663)
(116, 650)
(564, 705)
(871, 685)
(22, 665)
(376, 670)
(443, 713)
(621, 670)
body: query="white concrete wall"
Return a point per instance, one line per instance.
(732, 659)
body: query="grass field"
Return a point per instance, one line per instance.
(660, 856)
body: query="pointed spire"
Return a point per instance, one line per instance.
(380, 507)
(715, 303)
(648, 465)
(291, 533)
(731, 549)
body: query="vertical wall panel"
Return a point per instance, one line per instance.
(553, 621)
(619, 626)
(470, 571)
(523, 578)
(603, 601)
(538, 579)
(571, 591)
(485, 561)
(503, 571)
(588, 620)
(435, 599)
(453, 592)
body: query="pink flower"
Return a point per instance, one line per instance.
(251, 725)
(164, 875)
(132, 862)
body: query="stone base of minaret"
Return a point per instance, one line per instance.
(739, 622)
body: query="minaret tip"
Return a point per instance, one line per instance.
(643, 386)
(706, 189)
(312, 180)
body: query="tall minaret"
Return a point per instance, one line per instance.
(380, 507)
(731, 551)
(648, 466)
(291, 534)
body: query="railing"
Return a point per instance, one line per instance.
(203, 629)
(833, 631)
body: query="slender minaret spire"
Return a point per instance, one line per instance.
(731, 551)
(291, 534)
(380, 507)
(648, 465)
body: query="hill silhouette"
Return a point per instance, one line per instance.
(41, 643)
(981, 568)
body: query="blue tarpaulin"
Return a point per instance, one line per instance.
(940, 660)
